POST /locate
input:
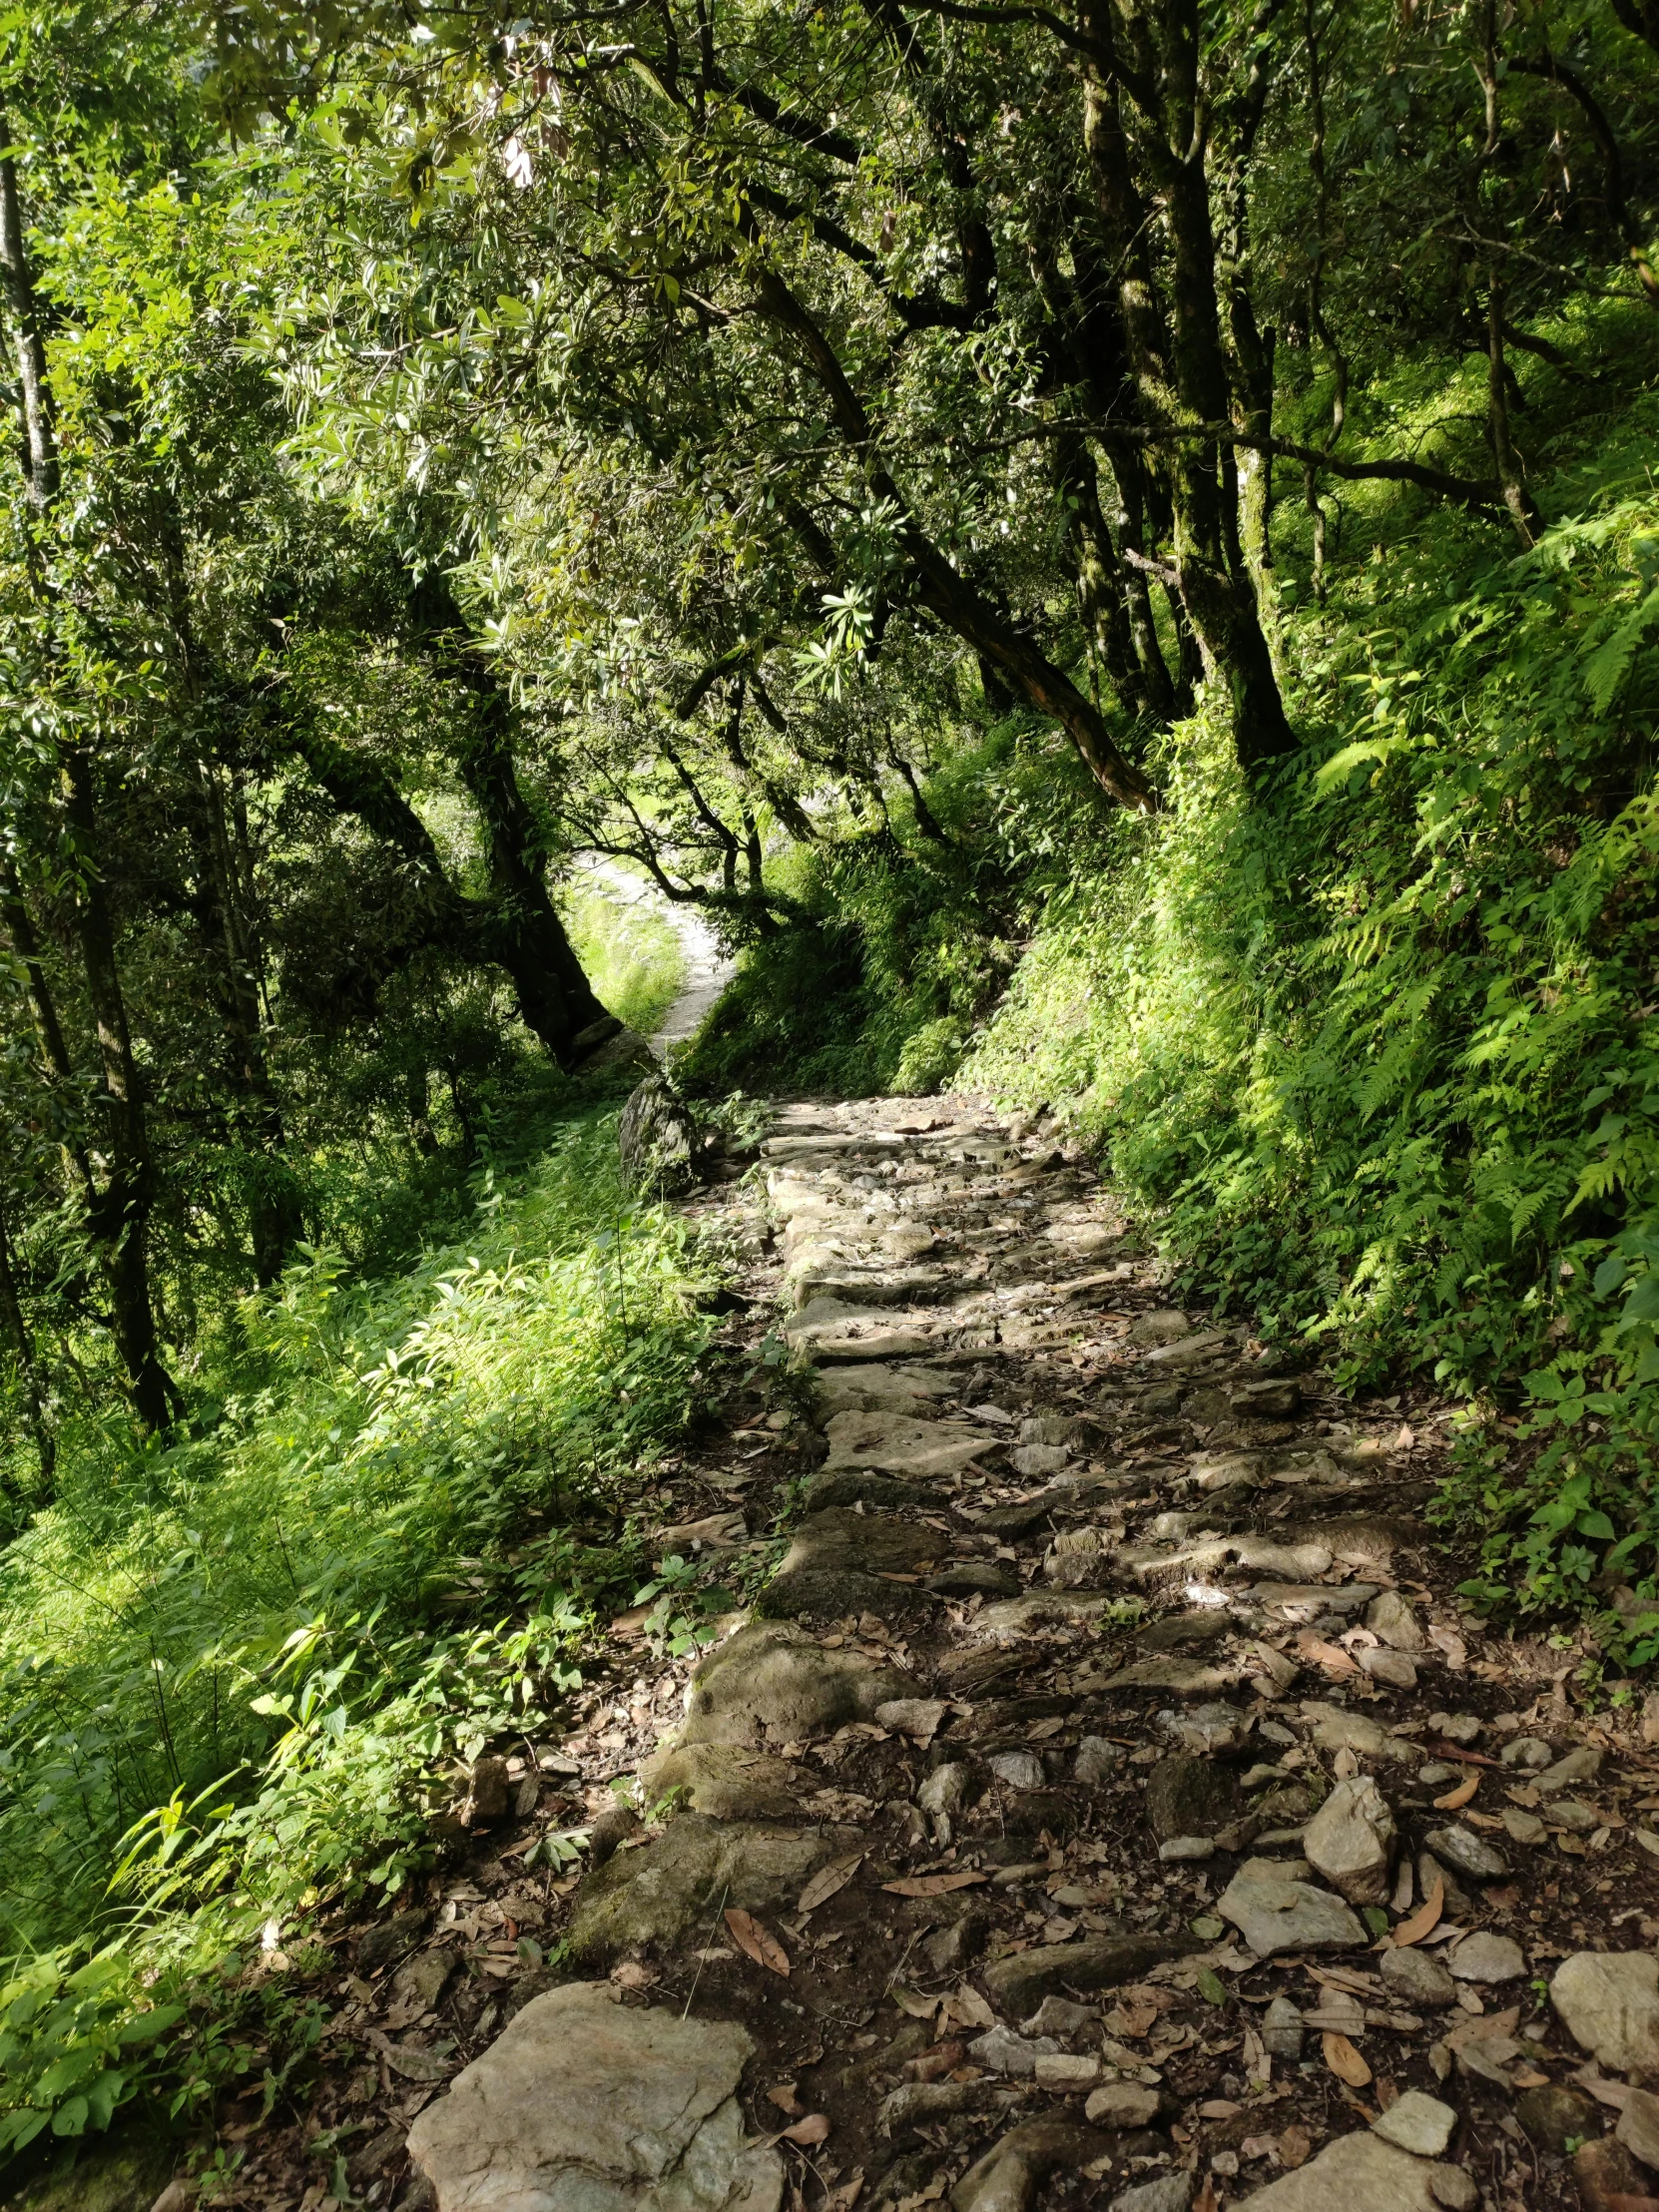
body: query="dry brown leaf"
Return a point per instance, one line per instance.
(783, 2095)
(933, 1884)
(1424, 1920)
(1619, 2201)
(828, 1880)
(1343, 2060)
(1460, 1796)
(1205, 2201)
(968, 2008)
(813, 2129)
(1529, 2079)
(756, 1942)
(1296, 2147)
(1330, 1656)
(913, 2002)
(847, 2195)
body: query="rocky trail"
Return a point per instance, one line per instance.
(1100, 1799)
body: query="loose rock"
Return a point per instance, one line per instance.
(1609, 2005)
(1638, 2128)
(1417, 2123)
(1466, 1852)
(1389, 1616)
(1123, 2106)
(1416, 1977)
(1361, 2173)
(585, 2102)
(1484, 1958)
(1170, 2193)
(1351, 1841)
(1274, 1913)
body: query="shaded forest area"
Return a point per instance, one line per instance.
(1111, 551)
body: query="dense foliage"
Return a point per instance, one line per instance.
(1110, 551)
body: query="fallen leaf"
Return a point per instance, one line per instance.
(756, 1943)
(1620, 2203)
(1460, 1796)
(783, 2095)
(1330, 1656)
(813, 2129)
(847, 2195)
(1647, 1839)
(913, 2002)
(1422, 1921)
(1218, 2108)
(968, 2008)
(933, 1884)
(828, 1880)
(1296, 2147)
(1530, 2079)
(1343, 2060)
(1205, 2201)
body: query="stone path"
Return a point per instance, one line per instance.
(1093, 1790)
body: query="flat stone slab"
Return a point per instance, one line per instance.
(664, 1890)
(773, 1682)
(829, 1329)
(584, 2104)
(1364, 2174)
(1182, 1677)
(897, 1443)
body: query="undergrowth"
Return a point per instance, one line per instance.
(236, 1673)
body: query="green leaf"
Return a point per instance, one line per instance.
(1209, 1987)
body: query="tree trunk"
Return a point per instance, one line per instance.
(118, 1213)
(1180, 365)
(15, 1326)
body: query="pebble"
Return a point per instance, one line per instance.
(1022, 1770)
(1486, 1958)
(1456, 1728)
(1417, 2122)
(1179, 1848)
(1581, 1765)
(1576, 1819)
(1389, 1616)
(1350, 1840)
(1523, 1828)
(1609, 2003)
(1061, 2070)
(1124, 2105)
(1417, 1978)
(1466, 1852)
(1526, 1751)
(1385, 1664)
(1281, 2029)
(1435, 1774)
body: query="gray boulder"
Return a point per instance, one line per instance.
(596, 2106)
(658, 1139)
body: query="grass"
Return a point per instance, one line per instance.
(236, 1673)
(629, 949)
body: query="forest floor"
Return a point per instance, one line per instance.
(1105, 1796)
